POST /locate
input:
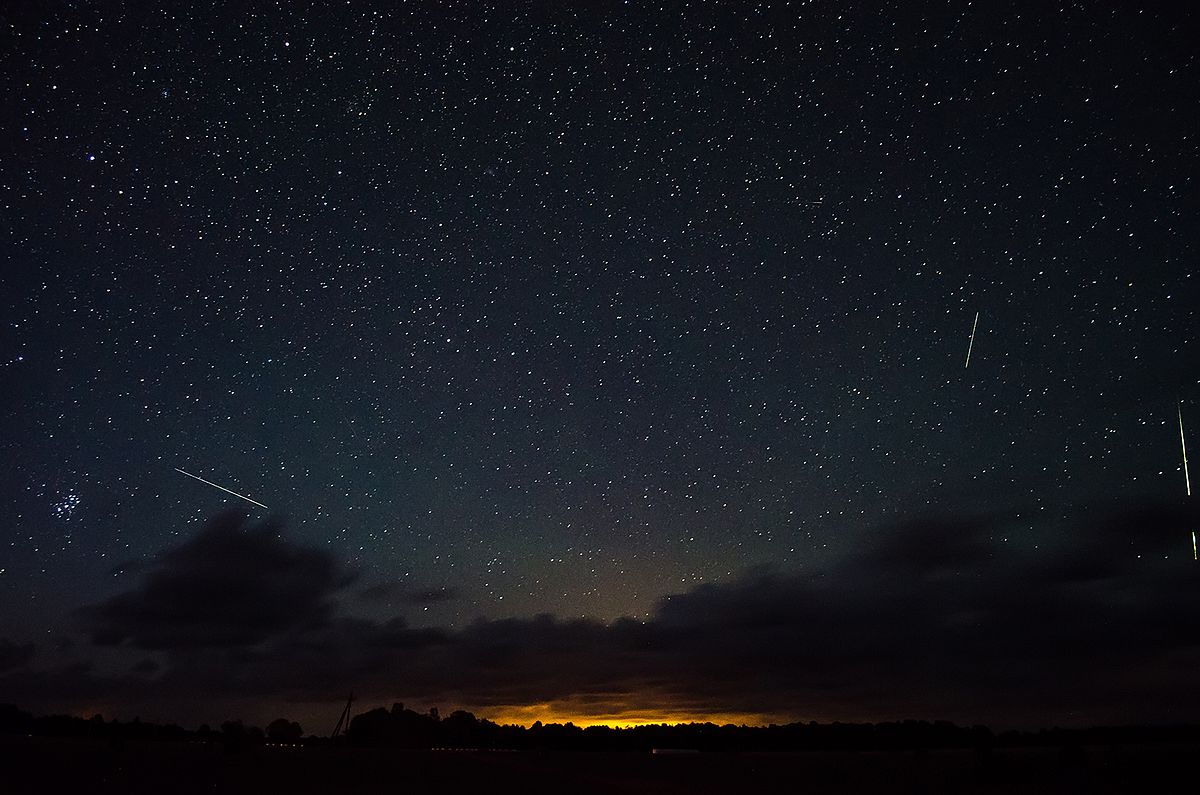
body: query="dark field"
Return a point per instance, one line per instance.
(38, 765)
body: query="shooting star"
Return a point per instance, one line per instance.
(1183, 445)
(971, 344)
(1187, 478)
(222, 488)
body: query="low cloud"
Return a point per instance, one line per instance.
(229, 586)
(940, 618)
(404, 594)
(13, 655)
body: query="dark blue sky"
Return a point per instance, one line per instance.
(527, 309)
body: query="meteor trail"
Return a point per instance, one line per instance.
(222, 488)
(971, 344)
(1186, 477)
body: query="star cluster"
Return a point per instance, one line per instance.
(66, 506)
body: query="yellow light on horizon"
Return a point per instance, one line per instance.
(618, 718)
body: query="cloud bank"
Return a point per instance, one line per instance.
(939, 619)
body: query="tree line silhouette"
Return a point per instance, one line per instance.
(404, 728)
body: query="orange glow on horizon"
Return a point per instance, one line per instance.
(618, 718)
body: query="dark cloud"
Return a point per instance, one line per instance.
(231, 585)
(13, 655)
(146, 666)
(941, 618)
(401, 593)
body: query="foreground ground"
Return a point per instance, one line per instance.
(38, 765)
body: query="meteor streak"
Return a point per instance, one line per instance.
(1186, 477)
(971, 344)
(222, 488)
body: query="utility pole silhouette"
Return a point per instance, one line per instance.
(344, 721)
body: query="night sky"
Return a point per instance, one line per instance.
(600, 360)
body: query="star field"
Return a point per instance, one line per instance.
(566, 307)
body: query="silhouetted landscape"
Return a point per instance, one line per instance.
(62, 751)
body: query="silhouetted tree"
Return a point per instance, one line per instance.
(14, 721)
(282, 730)
(233, 735)
(404, 728)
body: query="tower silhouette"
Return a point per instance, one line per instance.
(343, 722)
